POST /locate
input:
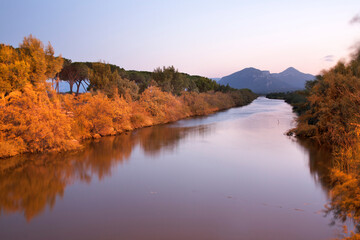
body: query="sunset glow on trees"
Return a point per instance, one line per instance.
(34, 118)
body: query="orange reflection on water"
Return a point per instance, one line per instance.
(30, 182)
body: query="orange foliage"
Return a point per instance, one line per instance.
(14, 72)
(30, 121)
(97, 114)
(205, 103)
(162, 107)
(33, 118)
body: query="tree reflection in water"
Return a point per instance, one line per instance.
(320, 163)
(29, 183)
(341, 188)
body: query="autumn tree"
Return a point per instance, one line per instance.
(14, 72)
(54, 65)
(43, 64)
(31, 121)
(334, 106)
(31, 62)
(32, 52)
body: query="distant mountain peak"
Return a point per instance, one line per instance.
(250, 69)
(291, 70)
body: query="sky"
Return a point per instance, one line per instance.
(199, 37)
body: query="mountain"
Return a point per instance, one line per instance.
(265, 82)
(294, 77)
(215, 79)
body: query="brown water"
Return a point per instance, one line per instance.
(231, 175)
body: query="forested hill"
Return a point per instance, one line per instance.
(265, 82)
(168, 79)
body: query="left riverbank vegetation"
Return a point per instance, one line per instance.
(35, 117)
(329, 114)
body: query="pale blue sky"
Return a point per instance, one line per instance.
(209, 38)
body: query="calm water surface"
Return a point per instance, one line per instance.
(231, 175)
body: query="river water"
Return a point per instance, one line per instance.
(230, 175)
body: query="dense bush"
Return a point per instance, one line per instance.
(30, 121)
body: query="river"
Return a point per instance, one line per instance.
(230, 175)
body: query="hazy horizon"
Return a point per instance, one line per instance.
(207, 38)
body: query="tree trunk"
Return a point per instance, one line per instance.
(57, 86)
(71, 86)
(77, 88)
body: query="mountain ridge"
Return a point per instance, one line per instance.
(263, 82)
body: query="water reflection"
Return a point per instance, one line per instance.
(320, 162)
(29, 183)
(342, 190)
(322, 167)
(218, 177)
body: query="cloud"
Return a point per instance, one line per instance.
(328, 58)
(355, 19)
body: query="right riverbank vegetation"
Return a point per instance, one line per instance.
(35, 117)
(329, 114)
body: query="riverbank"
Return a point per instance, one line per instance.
(35, 121)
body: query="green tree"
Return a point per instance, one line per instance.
(75, 73)
(170, 80)
(103, 78)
